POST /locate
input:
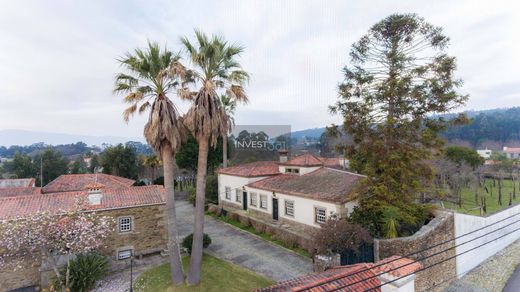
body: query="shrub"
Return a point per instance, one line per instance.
(338, 235)
(85, 270)
(188, 240)
(192, 192)
(212, 189)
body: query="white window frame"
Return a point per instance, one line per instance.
(238, 195)
(262, 201)
(253, 201)
(123, 226)
(127, 253)
(318, 218)
(289, 208)
(227, 190)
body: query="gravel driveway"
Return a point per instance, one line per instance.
(245, 249)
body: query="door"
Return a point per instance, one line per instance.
(275, 209)
(244, 200)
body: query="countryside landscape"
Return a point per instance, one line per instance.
(259, 146)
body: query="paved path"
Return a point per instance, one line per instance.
(245, 249)
(513, 284)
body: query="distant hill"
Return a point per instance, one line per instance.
(22, 137)
(314, 133)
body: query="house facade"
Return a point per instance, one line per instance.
(138, 213)
(303, 191)
(512, 153)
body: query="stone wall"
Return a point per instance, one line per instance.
(440, 229)
(148, 236)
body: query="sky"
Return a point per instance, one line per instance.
(58, 58)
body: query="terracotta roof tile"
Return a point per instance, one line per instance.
(19, 206)
(78, 182)
(12, 192)
(358, 277)
(304, 160)
(512, 150)
(323, 184)
(254, 169)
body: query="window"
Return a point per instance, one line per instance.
(125, 224)
(253, 200)
(238, 195)
(228, 193)
(263, 201)
(320, 215)
(289, 208)
(292, 170)
(124, 254)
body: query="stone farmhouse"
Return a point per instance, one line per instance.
(138, 212)
(302, 192)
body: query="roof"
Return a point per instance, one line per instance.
(339, 277)
(324, 184)
(20, 206)
(24, 191)
(511, 150)
(79, 182)
(303, 160)
(253, 169)
(17, 183)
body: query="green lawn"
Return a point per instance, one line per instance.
(217, 275)
(263, 235)
(469, 206)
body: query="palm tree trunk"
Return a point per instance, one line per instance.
(224, 150)
(177, 273)
(198, 225)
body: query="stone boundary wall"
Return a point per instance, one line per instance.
(438, 230)
(484, 246)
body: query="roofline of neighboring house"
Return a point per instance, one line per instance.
(300, 165)
(223, 173)
(344, 171)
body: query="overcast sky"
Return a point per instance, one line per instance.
(58, 58)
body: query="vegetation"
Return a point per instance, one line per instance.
(338, 236)
(121, 161)
(460, 155)
(188, 155)
(50, 164)
(399, 77)
(215, 71)
(84, 271)
(187, 241)
(217, 275)
(150, 77)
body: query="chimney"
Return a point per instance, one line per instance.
(94, 193)
(283, 155)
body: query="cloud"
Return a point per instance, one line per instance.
(58, 58)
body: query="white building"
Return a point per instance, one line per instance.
(512, 153)
(302, 191)
(485, 153)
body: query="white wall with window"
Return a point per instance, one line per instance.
(300, 170)
(253, 199)
(238, 195)
(233, 183)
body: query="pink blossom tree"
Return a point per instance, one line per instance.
(46, 237)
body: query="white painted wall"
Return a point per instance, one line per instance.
(233, 182)
(303, 170)
(467, 223)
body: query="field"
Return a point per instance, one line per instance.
(470, 206)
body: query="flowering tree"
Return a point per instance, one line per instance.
(46, 237)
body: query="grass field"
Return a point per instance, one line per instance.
(217, 275)
(469, 206)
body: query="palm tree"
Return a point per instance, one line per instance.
(215, 69)
(146, 86)
(229, 106)
(152, 161)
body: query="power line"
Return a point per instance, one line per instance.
(440, 262)
(432, 255)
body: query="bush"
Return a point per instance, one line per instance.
(212, 189)
(192, 193)
(338, 235)
(85, 270)
(188, 240)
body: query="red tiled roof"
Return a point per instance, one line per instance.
(78, 182)
(254, 169)
(323, 184)
(17, 183)
(304, 160)
(511, 150)
(342, 277)
(12, 207)
(13, 192)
